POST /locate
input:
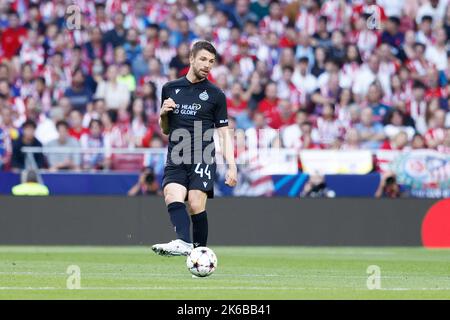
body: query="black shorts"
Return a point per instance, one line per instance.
(198, 176)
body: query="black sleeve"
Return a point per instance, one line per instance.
(220, 112)
(164, 95)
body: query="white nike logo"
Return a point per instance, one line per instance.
(177, 90)
(205, 184)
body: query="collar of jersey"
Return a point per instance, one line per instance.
(195, 83)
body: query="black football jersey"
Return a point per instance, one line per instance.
(199, 107)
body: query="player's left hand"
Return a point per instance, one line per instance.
(231, 177)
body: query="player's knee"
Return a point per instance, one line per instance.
(196, 206)
(173, 196)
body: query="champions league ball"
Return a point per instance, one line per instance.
(201, 262)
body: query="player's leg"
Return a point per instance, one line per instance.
(197, 210)
(174, 195)
(175, 184)
(201, 187)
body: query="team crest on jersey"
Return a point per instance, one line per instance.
(203, 96)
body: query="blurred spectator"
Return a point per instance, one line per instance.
(261, 135)
(436, 53)
(396, 122)
(76, 124)
(328, 93)
(13, 36)
(94, 139)
(26, 139)
(63, 161)
(260, 8)
(5, 148)
(139, 65)
(322, 37)
(320, 57)
(388, 187)
(370, 131)
(180, 63)
(396, 142)
(392, 36)
(30, 186)
(307, 140)
(115, 94)
(432, 8)
(292, 134)
(303, 79)
(316, 187)
(367, 75)
(351, 67)
(146, 185)
(418, 142)
(126, 77)
(352, 140)
(183, 34)
(328, 127)
(138, 121)
(435, 135)
(268, 106)
(131, 46)
(379, 109)
(79, 93)
(444, 147)
(116, 36)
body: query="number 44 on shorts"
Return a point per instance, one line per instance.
(200, 171)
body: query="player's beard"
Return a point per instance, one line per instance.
(198, 74)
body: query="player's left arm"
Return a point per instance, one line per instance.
(225, 139)
(226, 144)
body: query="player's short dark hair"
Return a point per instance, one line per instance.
(203, 45)
(63, 123)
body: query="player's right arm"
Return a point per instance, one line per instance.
(167, 106)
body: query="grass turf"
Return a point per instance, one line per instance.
(243, 273)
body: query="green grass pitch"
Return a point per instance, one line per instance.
(243, 273)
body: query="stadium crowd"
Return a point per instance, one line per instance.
(332, 74)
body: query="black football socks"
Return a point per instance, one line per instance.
(200, 229)
(180, 220)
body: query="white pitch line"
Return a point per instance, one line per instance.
(217, 288)
(149, 275)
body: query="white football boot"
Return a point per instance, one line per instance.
(173, 248)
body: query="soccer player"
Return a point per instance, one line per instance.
(191, 108)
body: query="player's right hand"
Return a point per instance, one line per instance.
(167, 106)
